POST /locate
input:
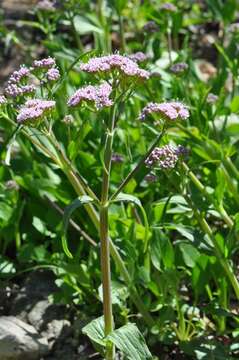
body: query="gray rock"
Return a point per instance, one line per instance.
(36, 315)
(36, 287)
(20, 341)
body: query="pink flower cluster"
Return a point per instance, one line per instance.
(97, 94)
(46, 5)
(173, 110)
(138, 57)
(3, 100)
(44, 63)
(169, 7)
(164, 157)
(19, 74)
(13, 90)
(34, 109)
(108, 63)
(16, 87)
(53, 74)
(179, 68)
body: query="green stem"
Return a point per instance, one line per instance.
(74, 180)
(227, 161)
(224, 263)
(104, 240)
(94, 216)
(138, 166)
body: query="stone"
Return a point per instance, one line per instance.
(20, 341)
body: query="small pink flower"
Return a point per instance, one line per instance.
(173, 110)
(34, 109)
(46, 5)
(3, 100)
(97, 94)
(138, 57)
(44, 63)
(164, 157)
(19, 74)
(111, 62)
(53, 74)
(13, 90)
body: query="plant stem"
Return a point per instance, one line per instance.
(104, 239)
(64, 163)
(138, 166)
(222, 260)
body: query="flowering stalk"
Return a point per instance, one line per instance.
(138, 166)
(104, 237)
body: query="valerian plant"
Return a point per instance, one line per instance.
(28, 103)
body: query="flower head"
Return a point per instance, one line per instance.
(117, 158)
(12, 90)
(19, 74)
(179, 68)
(108, 63)
(138, 57)
(234, 28)
(169, 7)
(53, 74)
(44, 63)
(34, 109)
(3, 100)
(164, 157)
(173, 110)
(150, 178)
(212, 98)
(46, 5)
(151, 27)
(99, 95)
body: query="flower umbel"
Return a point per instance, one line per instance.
(138, 57)
(19, 74)
(46, 5)
(99, 95)
(34, 109)
(53, 74)
(179, 68)
(173, 110)
(164, 157)
(3, 100)
(108, 63)
(44, 63)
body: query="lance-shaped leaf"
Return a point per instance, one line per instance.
(95, 331)
(131, 342)
(78, 202)
(133, 199)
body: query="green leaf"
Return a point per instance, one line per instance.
(133, 199)
(131, 342)
(78, 202)
(95, 331)
(6, 267)
(235, 104)
(190, 254)
(119, 293)
(84, 26)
